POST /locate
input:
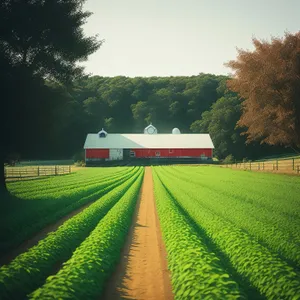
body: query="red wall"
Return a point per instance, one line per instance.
(172, 152)
(104, 153)
(97, 153)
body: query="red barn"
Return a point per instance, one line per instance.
(103, 146)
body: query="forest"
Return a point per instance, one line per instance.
(196, 104)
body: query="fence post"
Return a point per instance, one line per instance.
(298, 169)
(293, 164)
(69, 169)
(55, 170)
(277, 164)
(250, 165)
(38, 171)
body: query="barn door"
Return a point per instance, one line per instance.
(115, 154)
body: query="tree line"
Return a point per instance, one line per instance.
(195, 104)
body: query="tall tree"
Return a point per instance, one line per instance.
(38, 40)
(268, 78)
(220, 123)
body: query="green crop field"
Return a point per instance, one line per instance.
(228, 234)
(46, 200)
(231, 234)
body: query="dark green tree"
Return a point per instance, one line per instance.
(39, 40)
(220, 123)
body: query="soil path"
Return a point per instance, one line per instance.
(6, 259)
(142, 273)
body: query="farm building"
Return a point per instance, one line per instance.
(150, 145)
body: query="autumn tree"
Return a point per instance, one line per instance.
(268, 79)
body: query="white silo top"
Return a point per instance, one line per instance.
(176, 131)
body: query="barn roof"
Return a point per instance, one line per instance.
(148, 141)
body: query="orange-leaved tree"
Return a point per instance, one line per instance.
(268, 79)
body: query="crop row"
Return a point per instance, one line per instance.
(39, 192)
(51, 182)
(28, 271)
(53, 200)
(273, 277)
(276, 231)
(19, 227)
(195, 271)
(83, 276)
(263, 190)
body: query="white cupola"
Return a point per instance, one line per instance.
(176, 131)
(102, 133)
(150, 129)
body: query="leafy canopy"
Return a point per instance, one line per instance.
(268, 78)
(45, 38)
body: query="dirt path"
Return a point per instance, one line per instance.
(6, 259)
(142, 273)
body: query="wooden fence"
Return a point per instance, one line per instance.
(288, 165)
(30, 172)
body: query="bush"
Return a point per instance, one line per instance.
(79, 156)
(80, 163)
(229, 159)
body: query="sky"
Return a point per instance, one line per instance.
(181, 37)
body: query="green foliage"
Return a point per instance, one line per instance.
(195, 271)
(47, 200)
(79, 156)
(220, 122)
(244, 215)
(229, 159)
(42, 45)
(35, 46)
(80, 163)
(83, 276)
(27, 271)
(125, 105)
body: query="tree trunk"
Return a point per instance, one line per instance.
(3, 187)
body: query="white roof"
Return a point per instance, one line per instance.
(148, 141)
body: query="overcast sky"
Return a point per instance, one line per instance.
(181, 37)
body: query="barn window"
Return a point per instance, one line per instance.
(157, 153)
(102, 133)
(171, 151)
(132, 153)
